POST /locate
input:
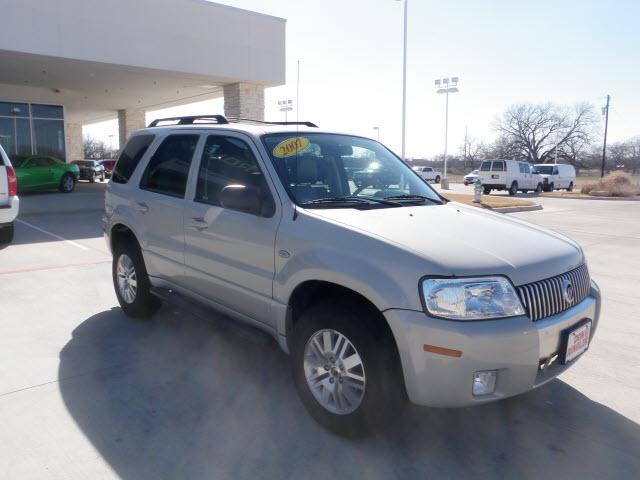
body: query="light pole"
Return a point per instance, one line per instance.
(404, 77)
(377, 129)
(446, 86)
(285, 106)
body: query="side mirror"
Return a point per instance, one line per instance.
(245, 199)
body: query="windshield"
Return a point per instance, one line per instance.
(321, 169)
(543, 169)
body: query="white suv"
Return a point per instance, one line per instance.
(510, 175)
(327, 242)
(9, 202)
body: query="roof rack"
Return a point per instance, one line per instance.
(190, 120)
(262, 122)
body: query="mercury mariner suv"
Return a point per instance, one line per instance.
(368, 278)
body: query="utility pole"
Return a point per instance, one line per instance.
(465, 147)
(604, 145)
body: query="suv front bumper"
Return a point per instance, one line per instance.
(514, 347)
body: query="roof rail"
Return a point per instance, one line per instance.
(262, 122)
(190, 120)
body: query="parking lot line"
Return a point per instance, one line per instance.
(71, 242)
(52, 267)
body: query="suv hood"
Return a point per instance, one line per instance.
(459, 240)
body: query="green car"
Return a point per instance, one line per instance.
(44, 173)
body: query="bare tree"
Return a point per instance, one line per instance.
(542, 133)
(96, 149)
(471, 151)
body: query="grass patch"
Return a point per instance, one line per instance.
(487, 201)
(615, 184)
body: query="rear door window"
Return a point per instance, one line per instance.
(130, 157)
(498, 166)
(168, 169)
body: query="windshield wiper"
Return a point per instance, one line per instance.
(347, 200)
(413, 198)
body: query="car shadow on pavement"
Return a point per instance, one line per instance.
(184, 397)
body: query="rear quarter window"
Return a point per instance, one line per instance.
(130, 156)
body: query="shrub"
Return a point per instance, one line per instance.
(615, 184)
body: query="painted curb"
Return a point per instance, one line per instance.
(582, 197)
(529, 208)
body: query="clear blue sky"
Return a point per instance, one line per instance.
(564, 51)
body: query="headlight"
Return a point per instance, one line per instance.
(470, 298)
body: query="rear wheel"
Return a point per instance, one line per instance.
(539, 188)
(67, 183)
(131, 281)
(438, 179)
(6, 234)
(513, 189)
(487, 190)
(345, 370)
(570, 187)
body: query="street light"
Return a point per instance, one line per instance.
(446, 86)
(377, 129)
(404, 77)
(285, 106)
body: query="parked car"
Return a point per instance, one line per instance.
(510, 175)
(9, 202)
(45, 173)
(556, 176)
(108, 167)
(429, 174)
(374, 305)
(91, 170)
(470, 177)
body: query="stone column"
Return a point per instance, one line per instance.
(129, 121)
(73, 142)
(244, 100)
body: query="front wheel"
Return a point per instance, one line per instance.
(570, 187)
(513, 189)
(6, 234)
(437, 179)
(345, 370)
(487, 190)
(131, 281)
(67, 183)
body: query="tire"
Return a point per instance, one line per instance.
(513, 189)
(67, 183)
(570, 187)
(381, 396)
(486, 191)
(437, 180)
(139, 303)
(6, 234)
(538, 188)
(551, 187)
(92, 178)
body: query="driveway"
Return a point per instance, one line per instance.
(87, 393)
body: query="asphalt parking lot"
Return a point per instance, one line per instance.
(87, 393)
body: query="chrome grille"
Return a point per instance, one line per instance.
(547, 297)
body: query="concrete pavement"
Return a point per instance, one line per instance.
(87, 393)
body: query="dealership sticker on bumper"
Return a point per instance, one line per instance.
(577, 341)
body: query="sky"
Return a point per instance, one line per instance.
(504, 52)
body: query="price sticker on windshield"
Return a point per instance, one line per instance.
(291, 146)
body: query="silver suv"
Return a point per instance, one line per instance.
(380, 289)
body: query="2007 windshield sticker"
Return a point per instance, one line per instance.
(291, 146)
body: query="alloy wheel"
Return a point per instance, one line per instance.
(334, 371)
(127, 278)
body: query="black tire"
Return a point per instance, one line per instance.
(92, 178)
(551, 187)
(570, 187)
(487, 190)
(144, 303)
(539, 188)
(383, 397)
(437, 179)
(6, 234)
(513, 189)
(67, 183)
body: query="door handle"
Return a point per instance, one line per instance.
(199, 224)
(142, 207)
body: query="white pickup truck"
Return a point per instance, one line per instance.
(429, 174)
(8, 198)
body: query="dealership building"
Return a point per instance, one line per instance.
(69, 63)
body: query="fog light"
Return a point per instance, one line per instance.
(484, 382)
